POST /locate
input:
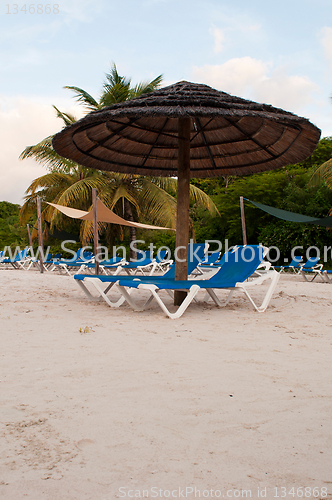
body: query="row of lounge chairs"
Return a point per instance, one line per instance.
(230, 271)
(309, 269)
(86, 263)
(20, 261)
(83, 262)
(237, 271)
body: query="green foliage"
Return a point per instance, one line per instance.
(288, 188)
(12, 233)
(322, 153)
(130, 196)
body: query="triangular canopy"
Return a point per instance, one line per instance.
(292, 216)
(104, 215)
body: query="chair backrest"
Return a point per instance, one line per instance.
(21, 255)
(82, 254)
(311, 262)
(142, 255)
(195, 256)
(161, 256)
(296, 261)
(211, 259)
(141, 262)
(239, 265)
(113, 260)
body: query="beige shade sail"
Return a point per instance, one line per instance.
(104, 215)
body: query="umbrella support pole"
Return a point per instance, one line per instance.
(40, 235)
(95, 229)
(182, 218)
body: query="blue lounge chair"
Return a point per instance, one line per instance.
(48, 263)
(207, 263)
(148, 265)
(326, 274)
(143, 264)
(293, 266)
(311, 267)
(234, 273)
(104, 265)
(80, 258)
(98, 281)
(20, 260)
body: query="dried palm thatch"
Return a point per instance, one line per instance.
(228, 135)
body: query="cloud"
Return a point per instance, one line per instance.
(257, 80)
(326, 41)
(234, 76)
(82, 10)
(24, 122)
(219, 37)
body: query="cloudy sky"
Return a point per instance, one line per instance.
(276, 52)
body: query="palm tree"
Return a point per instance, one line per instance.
(70, 184)
(116, 88)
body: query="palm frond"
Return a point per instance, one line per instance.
(44, 153)
(159, 206)
(113, 94)
(78, 194)
(48, 181)
(322, 174)
(87, 233)
(67, 118)
(197, 196)
(84, 98)
(203, 200)
(113, 78)
(145, 87)
(123, 192)
(169, 184)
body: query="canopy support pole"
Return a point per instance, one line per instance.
(40, 236)
(95, 229)
(243, 220)
(29, 236)
(182, 217)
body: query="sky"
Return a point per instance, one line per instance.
(278, 53)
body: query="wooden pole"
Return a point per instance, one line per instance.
(243, 220)
(182, 217)
(95, 229)
(40, 236)
(29, 236)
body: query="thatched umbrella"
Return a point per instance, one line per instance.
(187, 130)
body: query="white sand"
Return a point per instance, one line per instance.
(95, 399)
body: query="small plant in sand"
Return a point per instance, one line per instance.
(86, 329)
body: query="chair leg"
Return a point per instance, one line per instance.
(211, 293)
(154, 294)
(274, 280)
(86, 291)
(127, 296)
(102, 294)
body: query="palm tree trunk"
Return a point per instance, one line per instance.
(129, 216)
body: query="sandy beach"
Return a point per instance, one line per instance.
(99, 404)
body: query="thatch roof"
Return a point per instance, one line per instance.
(229, 135)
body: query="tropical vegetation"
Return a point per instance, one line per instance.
(131, 196)
(304, 188)
(290, 188)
